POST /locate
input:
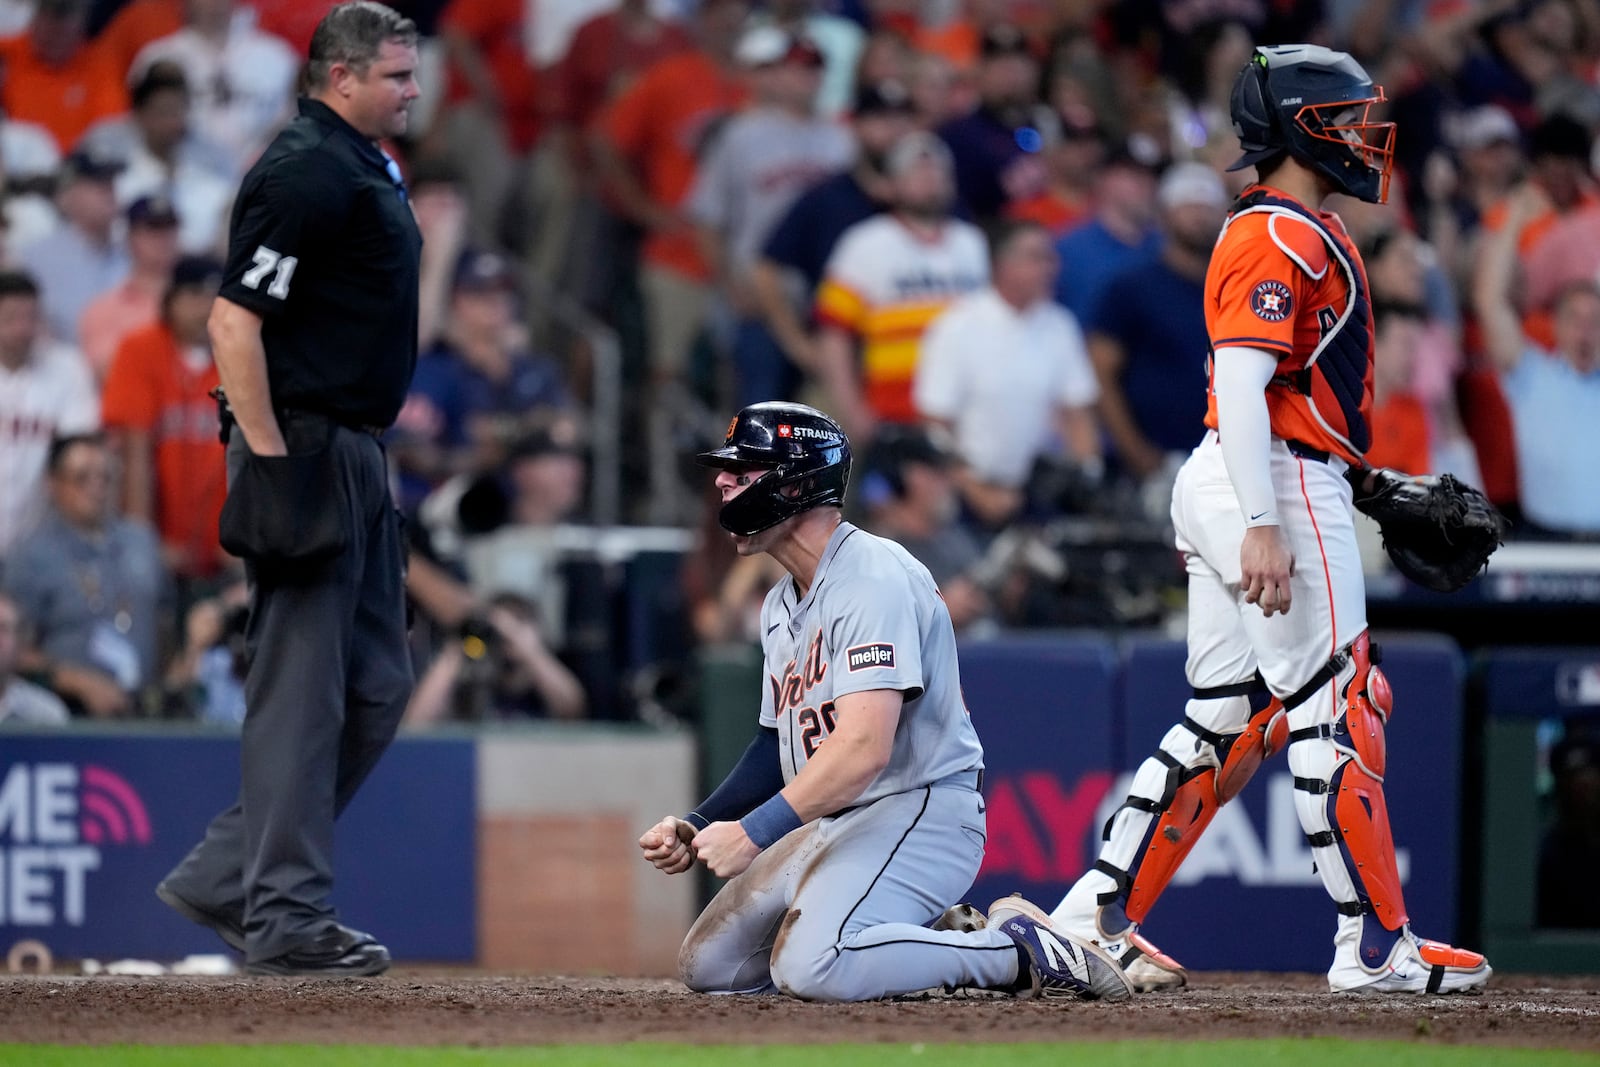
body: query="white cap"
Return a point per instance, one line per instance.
(762, 46)
(1191, 183)
(1482, 127)
(915, 146)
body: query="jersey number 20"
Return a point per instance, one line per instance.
(815, 725)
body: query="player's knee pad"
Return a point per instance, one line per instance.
(1209, 748)
(1338, 767)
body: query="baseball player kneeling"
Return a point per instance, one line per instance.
(854, 817)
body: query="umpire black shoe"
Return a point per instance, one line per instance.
(339, 953)
(228, 927)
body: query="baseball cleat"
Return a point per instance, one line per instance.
(962, 917)
(1147, 967)
(1059, 964)
(1413, 966)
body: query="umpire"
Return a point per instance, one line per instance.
(315, 338)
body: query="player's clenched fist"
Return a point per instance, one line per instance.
(725, 848)
(666, 845)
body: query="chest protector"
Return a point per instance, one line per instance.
(1330, 381)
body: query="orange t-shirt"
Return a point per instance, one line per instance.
(1051, 210)
(1537, 322)
(136, 25)
(659, 124)
(1274, 285)
(151, 388)
(1400, 435)
(65, 100)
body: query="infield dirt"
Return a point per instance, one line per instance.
(415, 1007)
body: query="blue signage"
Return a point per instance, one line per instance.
(89, 823)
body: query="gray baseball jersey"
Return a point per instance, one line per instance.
(873, 619)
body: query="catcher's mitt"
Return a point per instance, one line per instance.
(1439, 531)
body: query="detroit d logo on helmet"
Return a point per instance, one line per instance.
(1272, 301)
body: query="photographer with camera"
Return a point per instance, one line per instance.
(497, 668)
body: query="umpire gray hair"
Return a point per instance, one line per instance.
(351, 34)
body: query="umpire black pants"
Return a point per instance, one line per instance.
(329, 677)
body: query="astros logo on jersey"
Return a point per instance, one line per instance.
(1272, 301)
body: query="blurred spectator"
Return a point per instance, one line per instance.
(1198, 107)
(498, 668)
(1554, 392)
(1558, 172)
(20, 700)
(1122, 232)
(440, 206)
(158, 412)
(85, 256)
(840, 41)
(789, 269)
(161, 156)
(545, 476)
(90, 583)
(479, 390)
(1569, 854)
(1403, 272)
(205, 679)
(495, 110)
(996, 147)
(152, 252)
(888, 279)
(1147, 334)
(761, 161)
(1074, 147)
(607, 55)
(46, 391)
(241, 81)
(910, 496)
(1004, 370)
(54, 79)
(1399, 421)
(1487, 164)
(646, 147)
(136, 24)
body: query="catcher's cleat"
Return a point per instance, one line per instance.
(962, 917)
(1059, 964)
(1412, 966)
(1147, 967)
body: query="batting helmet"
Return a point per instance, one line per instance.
(1316, 105)
(803, 455)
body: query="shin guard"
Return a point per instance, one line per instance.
(1202, 764)
(1338, 759)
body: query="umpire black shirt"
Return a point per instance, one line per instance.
(323, 246)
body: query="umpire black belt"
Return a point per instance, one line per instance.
(305, 413)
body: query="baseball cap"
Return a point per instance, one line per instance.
(1482, 127)
(915, 147)
(1560, 137)
(1003, 39)
(884, 98)
(196, 271)
(155, 211)
(481, 271)
(90, 164)
(1191, 183)
(764, 46)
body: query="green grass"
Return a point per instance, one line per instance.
(1313, 1052)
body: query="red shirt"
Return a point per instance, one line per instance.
(495, 28)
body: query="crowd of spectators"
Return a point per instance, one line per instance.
(975, 231)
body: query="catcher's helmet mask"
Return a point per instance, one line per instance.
(1316, 105)
(803, 456)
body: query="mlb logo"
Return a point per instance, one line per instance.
(785, 430)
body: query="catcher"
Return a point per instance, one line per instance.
(1278, 645)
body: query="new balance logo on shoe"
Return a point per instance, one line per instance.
(1063, 955)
